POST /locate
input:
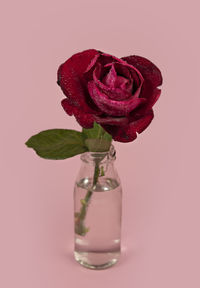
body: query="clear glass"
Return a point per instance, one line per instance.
(98, 209)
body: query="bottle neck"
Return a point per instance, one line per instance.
(99, 157)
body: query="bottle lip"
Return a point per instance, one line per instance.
(101, 157)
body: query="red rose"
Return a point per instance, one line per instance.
(116, 93)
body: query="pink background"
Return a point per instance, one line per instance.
(159, 171)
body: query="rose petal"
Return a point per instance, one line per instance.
(120, 68)
(152, 79)
(111, 92)
(120, 88)
(92, 63)
(121, 133)
(143, 109)
(148, 70)
(69, 109)
(127, 70)
(112, 120)
(88, 74)
(71, 79)
(133, 74)
(107, 59)
(86, 120)
(153, 99)
(122, 83)
(110, 78)
(112, 107)
(141, 124)
(128, 133)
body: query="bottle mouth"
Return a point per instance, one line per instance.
(102, 157)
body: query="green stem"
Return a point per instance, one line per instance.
(80, 228)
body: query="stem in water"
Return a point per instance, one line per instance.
(80, 228)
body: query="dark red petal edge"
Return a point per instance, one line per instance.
(115, 121)
(71, 79)
(128, 133)
(86, 120)
(148, 70)
(121, 133)
(141, 124)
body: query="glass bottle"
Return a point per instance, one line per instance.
(98, 209)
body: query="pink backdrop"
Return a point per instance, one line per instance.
(159, 171)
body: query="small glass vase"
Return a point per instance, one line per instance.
(98, 209)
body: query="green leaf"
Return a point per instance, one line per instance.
(97, 145)
(97, 139)
(57, 143)
(97, 132)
